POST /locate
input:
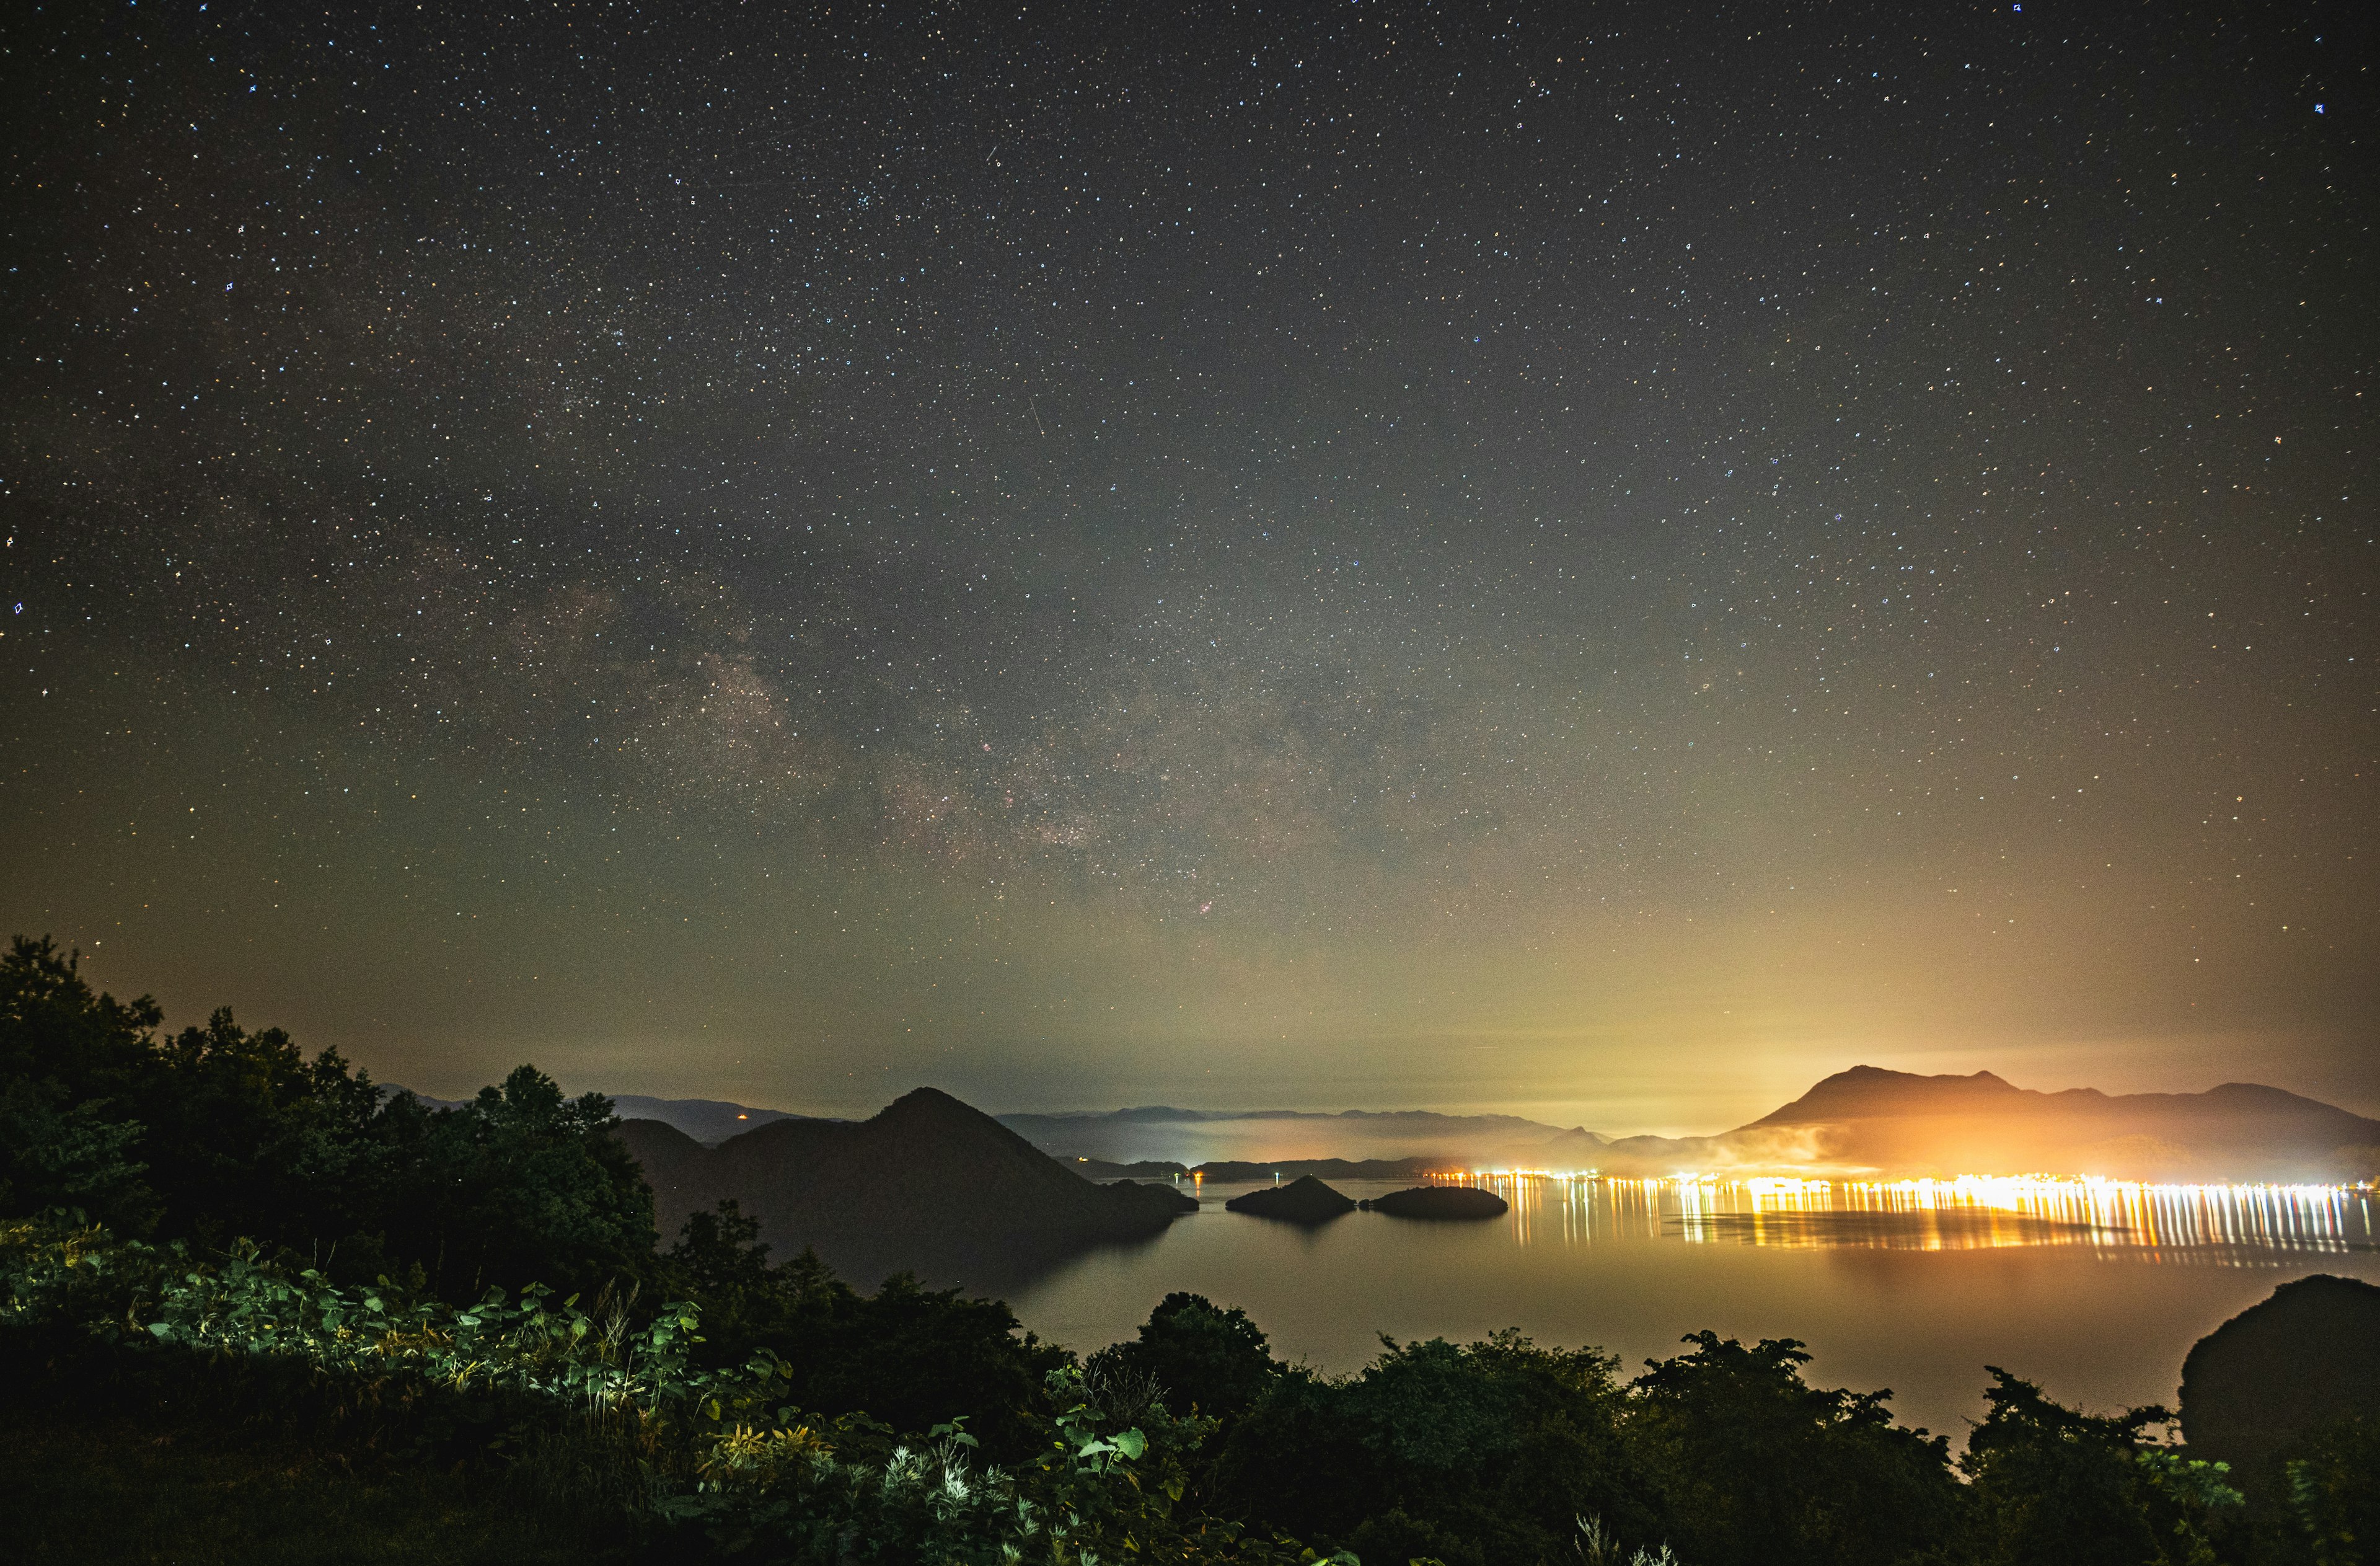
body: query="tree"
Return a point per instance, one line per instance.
(2334, 1492)
(247, 1136)
(1486, 1452)
(69, 1058)
(2057, 1487)
(1204, 1358)
(906, 1357)
(213, 1133)
(1755, 1465)
(519, 1186)
(55, 1153)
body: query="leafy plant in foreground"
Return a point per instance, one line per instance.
(720, 1449)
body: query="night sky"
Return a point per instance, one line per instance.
(1602, 562)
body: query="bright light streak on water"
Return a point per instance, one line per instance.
(2096, 1289)
(2222, 1225)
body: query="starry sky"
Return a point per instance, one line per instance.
(1594, 561)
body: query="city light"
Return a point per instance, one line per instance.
(2213, 1223)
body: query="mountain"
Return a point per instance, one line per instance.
(1162, 1132)
(1894, 1121)
(929, 1185)
(1147, 1169)
(1869, 1122)
(390, 1090)
(1230, 1171)
(706, 1120)
(1866, 1122)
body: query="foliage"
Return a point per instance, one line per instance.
(718, 1448)
(521, 1185)
(1486, 1452)
(68, 1057)
(174, 1484)
(57, 1153)
(227, 1210)
(1200, 1357)
(2060, 1488)
(1753, 1464)
(2334, 1492)
(217, 1132)
(911, 1357)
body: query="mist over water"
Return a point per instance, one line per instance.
(2095, 1291)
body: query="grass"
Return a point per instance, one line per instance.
(150, 1488)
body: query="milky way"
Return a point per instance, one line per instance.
(1600, 560)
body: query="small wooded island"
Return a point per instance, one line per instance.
(1440, 1202)
(1303, 1200)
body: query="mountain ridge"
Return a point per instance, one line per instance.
(1866, 1121)
(929, 1185)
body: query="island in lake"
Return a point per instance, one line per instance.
(1444, 1203)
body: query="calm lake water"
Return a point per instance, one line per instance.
(2095, 1291)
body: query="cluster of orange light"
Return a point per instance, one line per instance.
(1965, 1211)
(1963, 1187)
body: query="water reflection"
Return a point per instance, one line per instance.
(2228, 1225)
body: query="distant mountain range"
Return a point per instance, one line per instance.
(934, 1186)
(1864, 1122)
(929, 1185)
(1162, 1133)
(707, 1120)
(1892, 1121)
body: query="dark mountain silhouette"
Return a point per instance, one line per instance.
(1873, 1122)
(919, 1185)
(1450, 1202)
(1573, 1149)
(709, 1120)
(1898, 1122)
(929, 1185)
(1146, 1168)
(1160, 1132)
(1866, 1121)
(2279, 1371)
(1228, 1171)
(1303, 1200)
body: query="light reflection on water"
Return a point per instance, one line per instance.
(2094, 1289)
(2223, 1225)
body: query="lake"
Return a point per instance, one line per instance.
(2094, 1291)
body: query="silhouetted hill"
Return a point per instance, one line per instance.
(2278, 1370)
(1865, 1092)
(1866, 1121)
(705, 1120)
(1447, 1202)
(1189, 1137)
(676, 1166)
(1146, 1168)
(1576, 1148)
(1231, 1171)
(929, 1185)
(1898, 1122)
(1303, 1200)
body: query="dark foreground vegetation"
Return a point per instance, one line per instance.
(250, 1311)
